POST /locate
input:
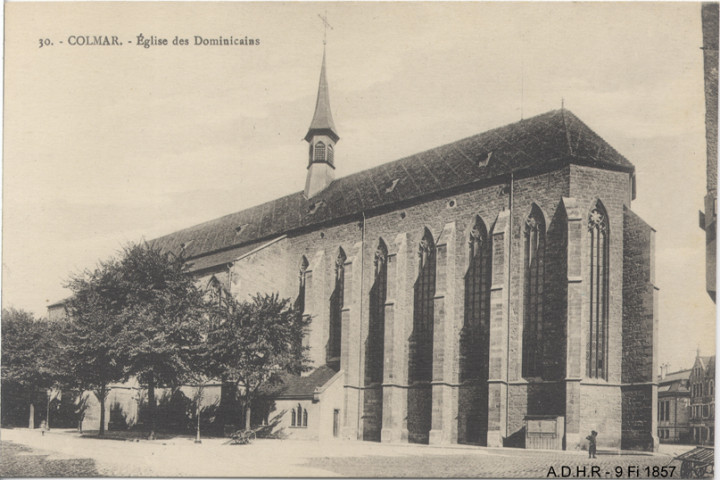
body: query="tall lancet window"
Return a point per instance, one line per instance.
(474, 336)
(300, 300)
(319, 152)
(336, 306)
(376, 335)
(598, 231)
(533, 294)
(421, 347)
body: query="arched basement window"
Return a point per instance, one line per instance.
(421, 348)
(336, 307)
(598, 235)
(319, 152)
(534, 274)
(473, 348)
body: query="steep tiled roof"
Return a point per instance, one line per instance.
(545, 141)
(295, 386)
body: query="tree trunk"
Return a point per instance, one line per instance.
(31, 419)
(247, 416)
(198, 400)
(102, 397)
(151, 406)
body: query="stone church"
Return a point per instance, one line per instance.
(497, 290)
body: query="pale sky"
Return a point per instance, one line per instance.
(108, 145)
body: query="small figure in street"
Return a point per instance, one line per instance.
(592, 449)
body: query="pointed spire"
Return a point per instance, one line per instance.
(322, 122)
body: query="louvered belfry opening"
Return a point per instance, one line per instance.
(336, 307)
(533, 286)
(319, 155)
(474, 340)
(598, 232)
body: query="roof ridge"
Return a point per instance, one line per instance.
(453, 165)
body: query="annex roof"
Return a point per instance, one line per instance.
(552, 139)
(296, 386)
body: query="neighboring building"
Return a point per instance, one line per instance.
(459, 294)
(702, 400)
(708, 220)
(56, 311)
(674, 407)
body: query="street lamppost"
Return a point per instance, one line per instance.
(47, 416)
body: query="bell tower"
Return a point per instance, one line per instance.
(322, 137)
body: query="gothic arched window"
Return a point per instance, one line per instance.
(300, 301)
(598, 234)
(304, 417)
(217, 292)
(336, 307)
(376, 334)
(533, 293)
(319, 152)
(421, 348)
(473, 346)
(293, 421)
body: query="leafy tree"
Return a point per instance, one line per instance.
(163, 313)
(95, 355)
(32, 361)
(253, 343)
(139, 315)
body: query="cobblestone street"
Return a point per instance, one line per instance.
(263, 458)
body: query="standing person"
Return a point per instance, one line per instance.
(592, 449)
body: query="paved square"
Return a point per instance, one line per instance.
(180, 457)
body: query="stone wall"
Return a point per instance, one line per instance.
(392, 409)
(639, 336)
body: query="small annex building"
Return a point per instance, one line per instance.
(674, 407)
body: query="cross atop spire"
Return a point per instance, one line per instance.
(326, 25)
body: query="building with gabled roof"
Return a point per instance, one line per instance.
(456, 294)
(674, 406)
(702, 400)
